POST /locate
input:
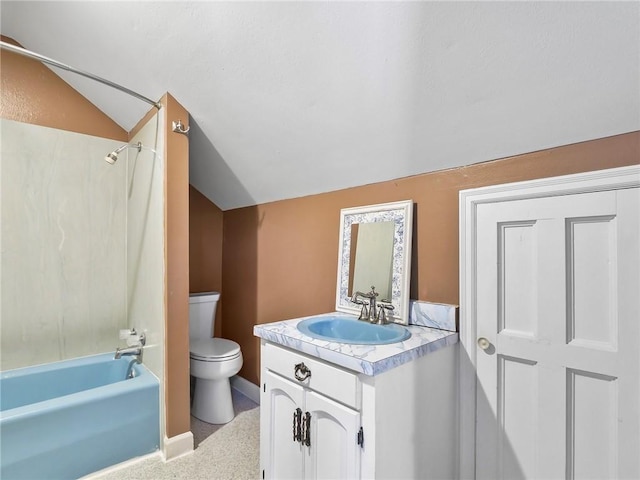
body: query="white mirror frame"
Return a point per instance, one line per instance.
(401, 213)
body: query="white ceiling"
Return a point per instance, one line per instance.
(294, 98)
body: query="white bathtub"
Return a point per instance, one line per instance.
(67, 419)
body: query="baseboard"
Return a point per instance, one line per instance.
(248, 389)
(119, 466)
(177, 446)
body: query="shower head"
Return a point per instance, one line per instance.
(113, 156)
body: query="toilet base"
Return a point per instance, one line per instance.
(212, 401)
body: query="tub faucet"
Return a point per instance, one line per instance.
(134, 350)
(137, 351)
(370, 313)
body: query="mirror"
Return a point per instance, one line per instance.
(375, 250)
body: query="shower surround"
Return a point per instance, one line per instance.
(82, 244)
(63, 245)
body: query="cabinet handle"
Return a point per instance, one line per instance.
(297, 425)
(307, 429)
(301, 372)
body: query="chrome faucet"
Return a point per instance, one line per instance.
(371, 313)
(375, 311)
(134, 350)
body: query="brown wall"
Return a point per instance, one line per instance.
(32, 93)
(205, 248)
(178, 419)
(176, 220)
(280, 259)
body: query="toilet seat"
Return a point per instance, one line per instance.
(214, 349)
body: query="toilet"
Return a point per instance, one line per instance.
(212, 362)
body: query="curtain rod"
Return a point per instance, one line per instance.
(28, 53)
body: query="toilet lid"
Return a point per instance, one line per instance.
(213, 348)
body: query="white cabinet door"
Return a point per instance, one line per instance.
(332, 432)
(280, 453)
(558, 293)
(333, 452)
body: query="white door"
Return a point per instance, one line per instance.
(557, 302)
(280, 450)
(333, 452)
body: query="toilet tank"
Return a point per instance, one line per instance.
(202, 314)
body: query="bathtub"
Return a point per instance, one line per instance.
(67, 419)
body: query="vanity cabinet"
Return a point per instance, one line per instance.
(320, 420)
(306, 432)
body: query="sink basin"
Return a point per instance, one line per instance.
(348, 330)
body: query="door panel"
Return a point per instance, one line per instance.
(558, 300)
(591, 282)
(517, 277)
(517, 415)
(592, 440)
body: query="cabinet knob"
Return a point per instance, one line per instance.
(301, 372)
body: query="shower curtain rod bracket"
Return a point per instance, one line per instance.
(178, 127)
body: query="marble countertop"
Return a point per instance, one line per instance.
(367, 359)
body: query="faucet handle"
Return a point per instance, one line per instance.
(126, 333)
(383, 306)
(133, 338)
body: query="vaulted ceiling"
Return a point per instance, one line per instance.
(294, 98)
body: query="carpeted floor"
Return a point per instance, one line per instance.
(223, 452)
